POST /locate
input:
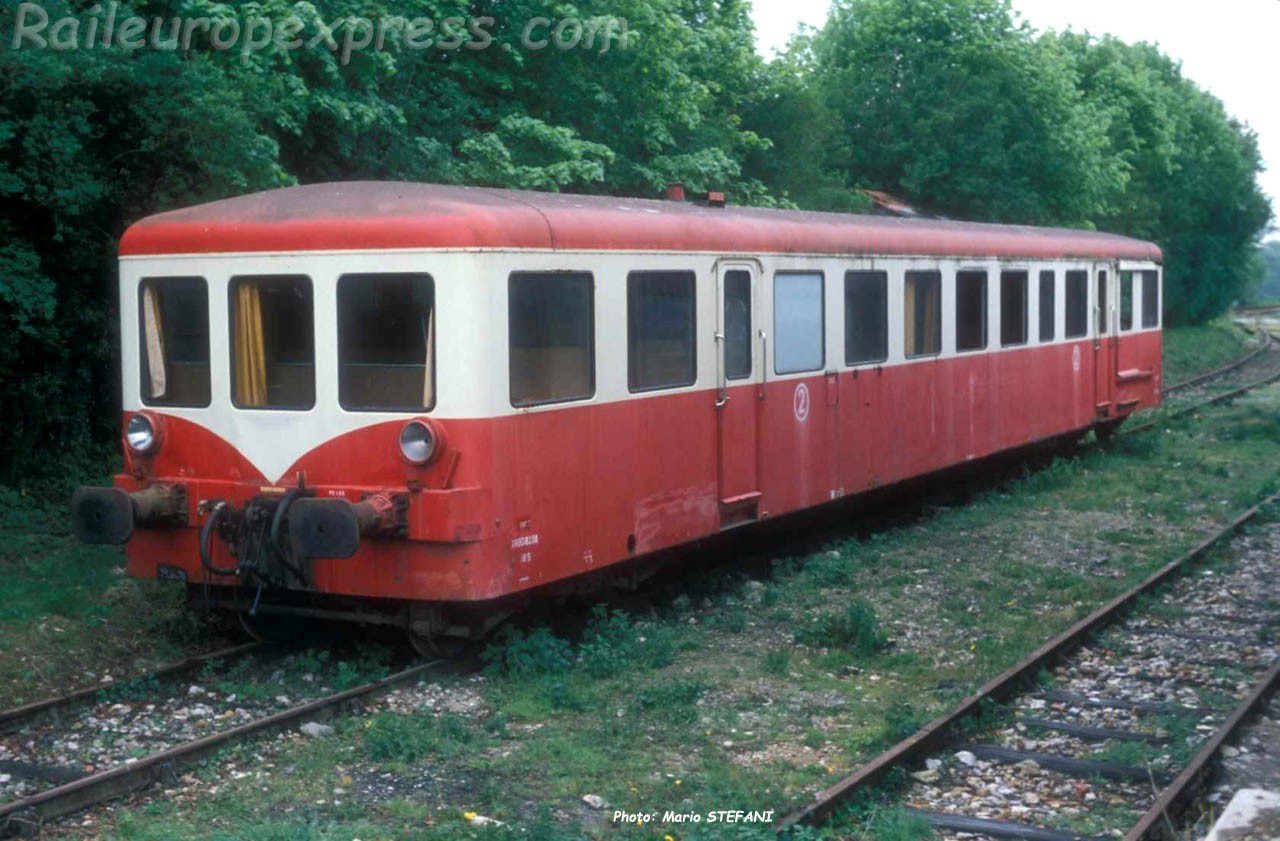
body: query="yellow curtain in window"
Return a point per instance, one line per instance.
(250, 350)
(932, 320)
(428, 378)
(909, 306)
(153, 335)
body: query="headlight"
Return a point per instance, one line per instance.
(140, 434)
(418, 442)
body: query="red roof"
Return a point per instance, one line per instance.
(376, 215)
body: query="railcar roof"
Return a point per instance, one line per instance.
(359, 215)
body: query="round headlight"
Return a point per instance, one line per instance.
(417, 442)
(140, 434)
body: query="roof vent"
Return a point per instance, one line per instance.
(675, 191)
(715, 199)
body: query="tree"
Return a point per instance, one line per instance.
(1191, 171)
(1269, 290)
(956, 107)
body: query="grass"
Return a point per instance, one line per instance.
(688, 708)
(1193, 350)
(735, 694)
(68, 613)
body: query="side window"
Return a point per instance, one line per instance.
(737, 324)
(1077, 304)
(922, 313)
(1150, 298)
(273, 347)
(866, 317)
(660, 330)
(1126, 300)
(971, 311)
(1048, 304)
(551, 329)
(1013, 308)
(797, 322)
(386, 342)
(1100, 310)
(173, 327)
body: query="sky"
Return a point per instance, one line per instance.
(1230, 49)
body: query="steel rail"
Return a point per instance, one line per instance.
(25, 816)
(54, 708)
(1267, 339)
(1195, 407)
(1173, 796)
(929, 738)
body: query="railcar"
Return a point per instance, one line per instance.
(405, 403)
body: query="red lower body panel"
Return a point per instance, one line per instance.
(527, 499)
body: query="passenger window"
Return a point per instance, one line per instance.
(1150, 298)
(1100, 309)
(386, 342)
(1077, 304)
(737, 324)
(1013, 308)
(1126, 300)
(797, 322)
(1048, 304)
(660, 330)
(272, 342)
(971, 311)
(922, 313)
(551, 329)
(866, 317)
(173, 322)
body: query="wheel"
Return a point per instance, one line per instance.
(1107, 431)
(268, 629)
(425, 645)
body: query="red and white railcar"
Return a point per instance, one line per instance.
(382, 399)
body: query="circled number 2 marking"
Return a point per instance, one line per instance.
(800, 402)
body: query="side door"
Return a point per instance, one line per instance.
(1104, 339)
(739, 389)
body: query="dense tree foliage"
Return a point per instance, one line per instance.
(1269, 289)
(1191, 174)
(950, 103)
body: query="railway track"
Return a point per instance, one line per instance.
(1257, 369)
(1264, 345)
(1142, 694)
(69, 753)
(65, 754)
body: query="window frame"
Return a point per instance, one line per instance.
(431, 351)
(908, 276)
(232, 285)
(1026, 306)
(591, 336)
(851, 278)
(143, 356)
(1126, 280)
(822, 299)
(1152, 277)
(692, 277)
(1050, 275)
(984, 309)
(750, 276)
(1083, 276)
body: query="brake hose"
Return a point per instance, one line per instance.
(206, 548)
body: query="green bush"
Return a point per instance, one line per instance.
(855, 628)
(395, 737)
(524, 654)
(613, 643)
